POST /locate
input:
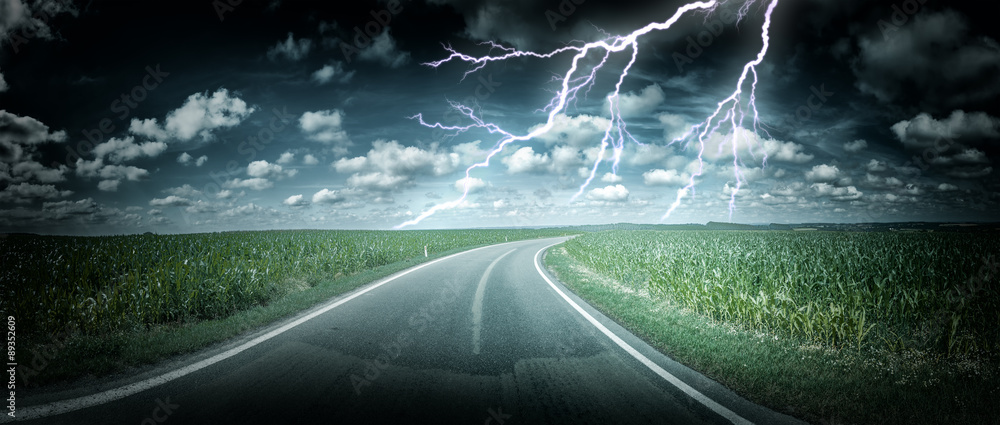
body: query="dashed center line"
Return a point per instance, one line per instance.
(477, 304)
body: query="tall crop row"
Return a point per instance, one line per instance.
(113, 283)
(924, 291)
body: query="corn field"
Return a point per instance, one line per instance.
(928, 291)
(120, 283)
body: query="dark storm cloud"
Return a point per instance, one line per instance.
(936, 61)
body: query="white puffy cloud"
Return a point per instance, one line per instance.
(108, 185)
(474, 184)
(185, 191)
(290, 49)
(97, 168)
(326, 127)
(309, 159)
(378, 181)
(327, 196)
(971, 156)
(199, 116)
(882, 182)
(719, 147)
(23, 193)
(34, 171)
(616, 193)
(265, 170)
(383, 50)
(876, 166)
(945, 187)
(123, 171)
(525, 160)
(646, 154)
(570, 160)
(26, 130)
(674, 126)
(170, 201)
(3, 83)
(848, 193)
(353, 165)
(641, 104)
(855, 146)
(658, 177)
(256, 183)
(295, 201)
(250, 209)
(332, 72)
(611, 178)
(577, 131)
(286, 158)
(923, 131)
(823, 173)
(64, 209)
(786, 152)
(119, 150)
(389, 165)
(21, 136)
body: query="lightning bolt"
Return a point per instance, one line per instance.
(730, 111)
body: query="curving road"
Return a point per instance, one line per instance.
(480, 337)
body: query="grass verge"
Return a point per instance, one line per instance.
(69, 358)
(815, 383)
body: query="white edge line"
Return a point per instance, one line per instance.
(477, 303)
(66, 406)
(693, 393)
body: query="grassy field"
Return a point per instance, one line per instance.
(97, 305)
(830, 327)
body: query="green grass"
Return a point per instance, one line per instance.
(154, 306)
(821, 380)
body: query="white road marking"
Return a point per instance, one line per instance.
(66, 406)
(477, 303)
(691, 392)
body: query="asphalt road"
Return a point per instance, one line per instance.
(476, 338)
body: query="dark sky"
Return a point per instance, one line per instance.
(190, 116)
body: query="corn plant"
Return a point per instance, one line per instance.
(840, 289)
(127, 283)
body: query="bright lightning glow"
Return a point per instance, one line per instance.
(616, 134)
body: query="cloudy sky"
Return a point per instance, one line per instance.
(176, 116)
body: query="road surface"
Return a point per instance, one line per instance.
(480, 337)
